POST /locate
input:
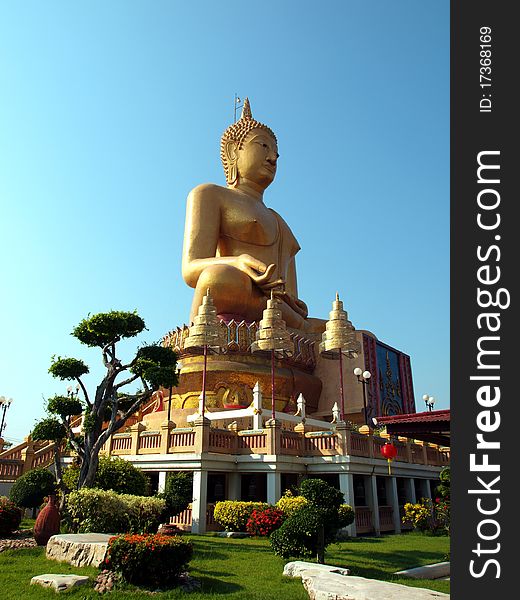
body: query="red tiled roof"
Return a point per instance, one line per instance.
(423, 417)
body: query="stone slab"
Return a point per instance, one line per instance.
(296, 568)
(79, 549)
(233, 534)
(436, 571)
(59, 582)
(331, 586)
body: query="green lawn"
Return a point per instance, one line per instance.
(241, 569)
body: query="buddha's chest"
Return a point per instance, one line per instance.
(245, 221)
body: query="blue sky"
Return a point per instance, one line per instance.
(110, 112)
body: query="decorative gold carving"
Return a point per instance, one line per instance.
(240, 336)
(227, 394)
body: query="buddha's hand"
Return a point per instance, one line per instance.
(259, 272)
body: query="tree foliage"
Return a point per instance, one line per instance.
(108, 409)
(108, 328)
(49, 429)
(178, 492)
(30, 489)
(113, 473)
(67, 368)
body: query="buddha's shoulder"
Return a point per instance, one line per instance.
(207, 192)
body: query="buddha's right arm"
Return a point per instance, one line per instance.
(201, 235)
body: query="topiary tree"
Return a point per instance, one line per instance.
(311, 528)
(178, 492)
(53, 430)
(30, 489)
(108, 409)
(113, 473)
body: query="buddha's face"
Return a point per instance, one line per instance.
(256, 160)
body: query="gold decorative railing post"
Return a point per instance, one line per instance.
(201, 426)
(274, 436)
(409, 455)
(344, 437)
(28, 455)
(135, 431)
(425, 453)
(166, 427)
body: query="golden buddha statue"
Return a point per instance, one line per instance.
(233, 243)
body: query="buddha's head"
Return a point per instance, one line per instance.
(249, 150)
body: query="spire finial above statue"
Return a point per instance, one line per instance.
(246, 110)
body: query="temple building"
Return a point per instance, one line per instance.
(268, 395)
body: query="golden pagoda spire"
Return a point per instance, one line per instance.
(206, 329)
(272, 333)
(338, 339)
(339, 334)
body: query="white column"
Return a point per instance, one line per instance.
(162, 482)
(374, 504)
(274, 487)
(234, 484)
(394, 503)
(257, 406)
(410, 493)
(346, 486)
(428, 488)
(199, 503)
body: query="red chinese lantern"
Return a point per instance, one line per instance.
(389, 451)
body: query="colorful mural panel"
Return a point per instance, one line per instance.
(390, 391)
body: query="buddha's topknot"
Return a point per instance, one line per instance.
(237, 132)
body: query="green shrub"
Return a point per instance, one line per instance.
(155, 560)
(178, 492)
(233, 514)
(105, 511)
(299, 534)
(310, 528)
(289, 503)
(30, 489)
(113, 473)
(10, 516)
(320, 493)
(346, 515)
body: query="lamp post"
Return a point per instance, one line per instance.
(272, 336)
(339, 339)
(363, 378)
(205, 333)
(429, 401)
(5, 403)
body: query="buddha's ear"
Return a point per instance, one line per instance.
(231, 152)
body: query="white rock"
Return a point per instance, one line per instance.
(59, 582)
(296, 567)
(331, 586)
(79, 549)
(436, 571)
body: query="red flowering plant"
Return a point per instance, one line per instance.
(10, 516)
(151, 559)
(263, 522)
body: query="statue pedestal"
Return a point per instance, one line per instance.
(232, 374)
